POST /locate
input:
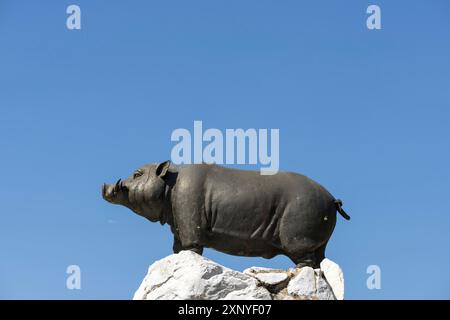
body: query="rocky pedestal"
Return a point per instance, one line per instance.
(189, 276)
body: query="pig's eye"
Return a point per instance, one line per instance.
(137, 174)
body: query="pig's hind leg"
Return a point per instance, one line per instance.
(310, 259)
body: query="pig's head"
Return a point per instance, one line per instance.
(143, 192)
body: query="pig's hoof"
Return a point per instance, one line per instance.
(196, 249)
(308, 260)
(307, 264)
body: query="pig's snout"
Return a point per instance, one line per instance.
(111, 192)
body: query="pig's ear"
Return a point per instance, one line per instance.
(162, 168)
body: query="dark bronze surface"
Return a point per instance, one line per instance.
(233, 211)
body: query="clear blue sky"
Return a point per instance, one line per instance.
(365, 113)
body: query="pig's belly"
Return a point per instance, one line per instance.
(246, 216)
(238, 246)
(251, 232)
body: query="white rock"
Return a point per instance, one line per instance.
(304, 283)
(267, 276)
(189, 276)
(334, 276)
(271, 278)
(253, 270)
(324, 291)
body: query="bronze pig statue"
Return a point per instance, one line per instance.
(233, 211)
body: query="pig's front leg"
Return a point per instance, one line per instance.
(176, 245)
(189, 231)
